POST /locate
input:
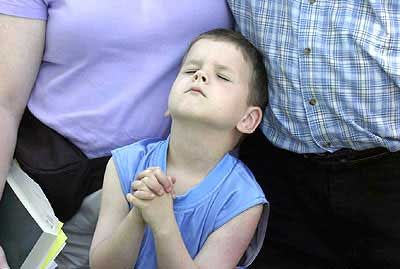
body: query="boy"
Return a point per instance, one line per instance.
(218, 95)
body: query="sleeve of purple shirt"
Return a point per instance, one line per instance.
(33, 9)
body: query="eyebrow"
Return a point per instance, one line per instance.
(219, 67)
(222, 67)
(193, 62)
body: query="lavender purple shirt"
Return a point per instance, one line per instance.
(108, 65)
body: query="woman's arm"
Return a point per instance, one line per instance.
(21, 51)
(119, 231)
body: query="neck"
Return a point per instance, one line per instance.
(196, 149)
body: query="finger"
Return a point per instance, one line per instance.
(144, 173)
(144, 195)
(164, 180)
(151, 181)
(135, 201)
(139, 185)
(128, 197)
(173, 179)
(136, 185)
(167, 113)
(152, 184)
(158, 186)
(147, 172)
(173, 193)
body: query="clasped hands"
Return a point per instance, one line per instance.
(152, 193)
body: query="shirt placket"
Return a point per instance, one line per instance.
(308, 70)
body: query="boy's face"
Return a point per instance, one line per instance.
(212, 85)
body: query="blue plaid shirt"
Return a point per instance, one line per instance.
(333, 69)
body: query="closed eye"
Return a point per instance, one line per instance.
(223, 77)
(190, 71)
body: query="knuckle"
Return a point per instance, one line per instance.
(157, 170)
(152, 181)
(149, 184)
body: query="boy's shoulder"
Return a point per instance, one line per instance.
(239, 180)
(134, 158)
(242, 173)
(238, 192)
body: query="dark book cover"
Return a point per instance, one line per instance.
(19, 232)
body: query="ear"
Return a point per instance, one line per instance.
(251, 119)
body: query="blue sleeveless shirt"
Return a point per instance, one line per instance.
(228, 190)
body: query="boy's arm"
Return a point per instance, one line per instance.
(119, 231)
(223, 248)
(159, 215)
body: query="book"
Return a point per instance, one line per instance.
(30, 233)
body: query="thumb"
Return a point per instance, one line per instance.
(136, 202)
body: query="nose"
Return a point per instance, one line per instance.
(200, 76)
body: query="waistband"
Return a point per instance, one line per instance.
(347, 155)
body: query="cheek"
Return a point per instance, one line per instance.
(235, 98)
(175, 88)
(175, 85)
(235, 105)
(229, 109)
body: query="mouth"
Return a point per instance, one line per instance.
(196, 90)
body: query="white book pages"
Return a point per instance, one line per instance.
(33, 198)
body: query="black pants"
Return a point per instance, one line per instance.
(335, 214)
(63, 172)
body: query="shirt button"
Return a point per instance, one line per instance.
(312, 1)
(312, 101)
(307, 51)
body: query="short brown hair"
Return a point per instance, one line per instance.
(258, 95)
